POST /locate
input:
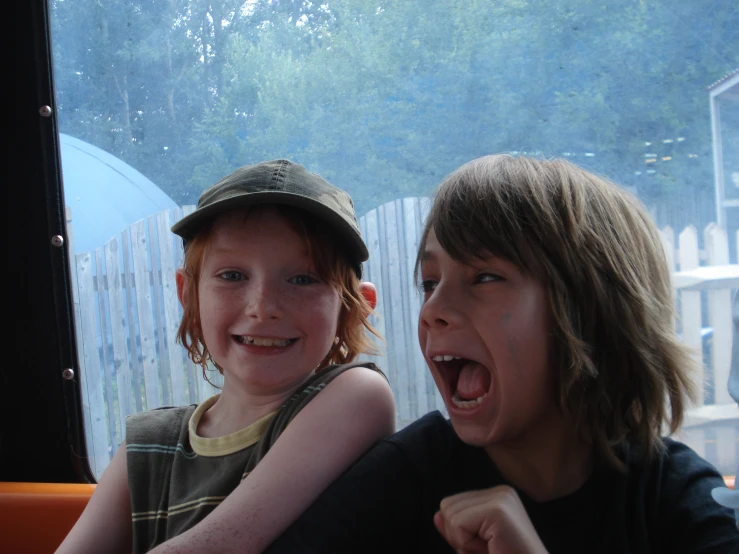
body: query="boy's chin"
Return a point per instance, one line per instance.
(475, 432)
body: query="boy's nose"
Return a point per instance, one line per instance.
(439, 311)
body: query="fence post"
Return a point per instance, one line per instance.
(690, 316)
(149, 360)
(177, 370)
(397, 340)
(417, 365)
(107, 374)
(720, 317)
(719, 314)
(373, 273)
(93, 402)
(121, 359)
(137, 382)
(160, 331)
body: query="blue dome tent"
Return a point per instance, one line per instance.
(104, 194)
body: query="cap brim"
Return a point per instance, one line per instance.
(188, 225)
(726, 497)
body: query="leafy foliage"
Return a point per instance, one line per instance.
(385, 98)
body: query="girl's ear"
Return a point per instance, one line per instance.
(182, 283)
(369, 292)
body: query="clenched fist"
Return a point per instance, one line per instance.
(488, 521)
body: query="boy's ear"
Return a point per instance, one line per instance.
(182, 282)
(369, 292)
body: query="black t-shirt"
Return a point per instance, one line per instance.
(386, 501)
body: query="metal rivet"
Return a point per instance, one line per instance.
(45, 111)
(68, 374)
(57, 240)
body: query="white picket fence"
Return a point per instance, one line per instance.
(129, 360)
(704, 282)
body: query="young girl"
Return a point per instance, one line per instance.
(547, 324)
(271, 295)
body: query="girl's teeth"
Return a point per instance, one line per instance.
(445, 358)
(261, 341)
(460, 403)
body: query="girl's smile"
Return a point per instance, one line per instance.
(267, 317)
(264, 346)
(264, 341)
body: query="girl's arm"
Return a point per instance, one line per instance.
(105, 523)
(354, 411)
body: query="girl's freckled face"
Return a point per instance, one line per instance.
(267, 316)
(490, 313)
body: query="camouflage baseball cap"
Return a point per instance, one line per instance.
(280, 182)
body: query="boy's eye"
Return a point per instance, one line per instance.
(232, 276)
(487, 278)
(303, 280)
(427, 285)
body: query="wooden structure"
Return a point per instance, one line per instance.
(724, 105)
(127, 314)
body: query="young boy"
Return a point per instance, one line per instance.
(547, 324)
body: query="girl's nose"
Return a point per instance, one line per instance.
(264, 302)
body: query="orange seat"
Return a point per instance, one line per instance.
(35, 517)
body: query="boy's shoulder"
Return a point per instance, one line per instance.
(677, 462)
(433, 426)
(683, 481)
(674, 489)
(672, 471)
(683, 472)
(431, 437)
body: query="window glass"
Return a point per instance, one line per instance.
(159, 99)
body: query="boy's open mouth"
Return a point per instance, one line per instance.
(468, 382)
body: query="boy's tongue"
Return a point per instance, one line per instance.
(473, 382)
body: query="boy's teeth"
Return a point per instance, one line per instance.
(445, 358)
(261, 341)
(467, 403)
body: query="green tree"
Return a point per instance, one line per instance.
(386, 98)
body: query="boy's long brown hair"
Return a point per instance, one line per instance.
(332, 265)
(622, 371)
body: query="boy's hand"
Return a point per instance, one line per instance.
(488, 521)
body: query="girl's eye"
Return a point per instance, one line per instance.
(427, 285)
(303, 280)
(488, 278)
(232, 276)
